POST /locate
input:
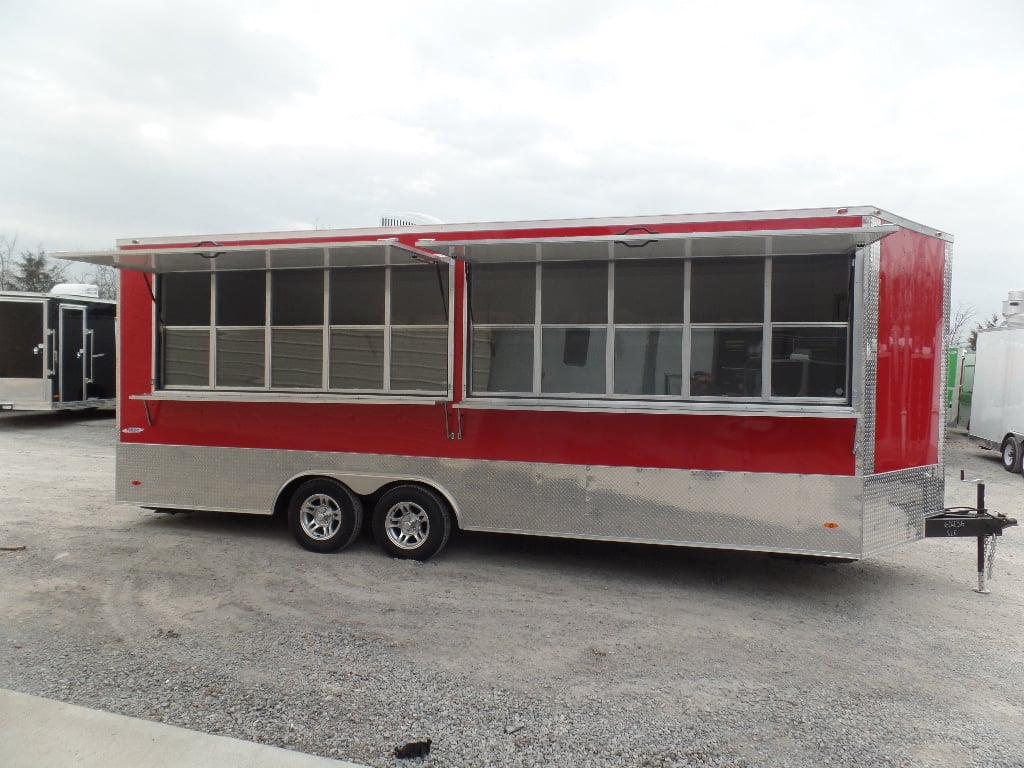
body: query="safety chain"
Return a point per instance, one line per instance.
(991, 553)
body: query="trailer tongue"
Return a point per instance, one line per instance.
(974, 521)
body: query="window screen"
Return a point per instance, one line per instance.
(503, 293)
(419, 295)
(297, 297)
(185, 298)
(649, 291)
(811, 289)
(727, 291)
(679, 328)
(574, 293)
(241, 298)
(357, 296)
(355, 346)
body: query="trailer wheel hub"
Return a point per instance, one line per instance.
(320, 517)
(407, 525)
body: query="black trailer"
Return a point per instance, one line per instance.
(57, 349)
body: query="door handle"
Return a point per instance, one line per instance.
(51, 334)
(90, 342)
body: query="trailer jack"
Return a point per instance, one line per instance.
(972, 521)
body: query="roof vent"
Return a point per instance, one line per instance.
(81, 290)
(408, 219)
(1013, 308)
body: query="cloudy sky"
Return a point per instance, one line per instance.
(144, 118)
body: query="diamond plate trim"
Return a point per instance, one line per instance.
(896, 504)
(946, 309)
(729, 510)
(869, 326)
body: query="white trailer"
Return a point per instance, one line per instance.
(997, 407)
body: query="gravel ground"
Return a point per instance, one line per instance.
(505, 651)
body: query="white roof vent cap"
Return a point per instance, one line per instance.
(82, 290)
(1013, 308)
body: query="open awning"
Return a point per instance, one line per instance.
(646, 245)
(210, 256)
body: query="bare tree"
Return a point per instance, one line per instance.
(7, 245)
(959, 322)
(106, 279)
(992, 322)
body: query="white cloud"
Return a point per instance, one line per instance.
(154, 131)
(151, 118)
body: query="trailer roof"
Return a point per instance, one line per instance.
(795, 218)
(37, 296)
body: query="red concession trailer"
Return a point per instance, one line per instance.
(768, 380)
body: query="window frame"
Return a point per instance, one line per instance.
(609, 398)
(323, 391)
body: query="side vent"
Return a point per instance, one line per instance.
(409, 219)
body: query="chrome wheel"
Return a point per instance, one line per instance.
(324, 515)
(320, 517)
(411, 522)
(407, 525)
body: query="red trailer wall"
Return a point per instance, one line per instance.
(910, 306)
(784, 444)
(135, 355)
(719, 443)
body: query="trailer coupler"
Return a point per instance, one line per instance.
(960, 522)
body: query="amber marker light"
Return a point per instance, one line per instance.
(831, 525)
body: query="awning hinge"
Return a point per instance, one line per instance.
(448, 417)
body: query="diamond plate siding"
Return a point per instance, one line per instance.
(869, 326)
(896, 504)
(947, 293)
(733, 510)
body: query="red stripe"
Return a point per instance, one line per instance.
(680, 441)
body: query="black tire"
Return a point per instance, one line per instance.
(1010, 451)
(324, 515)
(411, 522)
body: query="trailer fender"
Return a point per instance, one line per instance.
(1010, 450)
(363, 485)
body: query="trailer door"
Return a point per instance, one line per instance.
(72, 357)
(22, 349)
(101, 346)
